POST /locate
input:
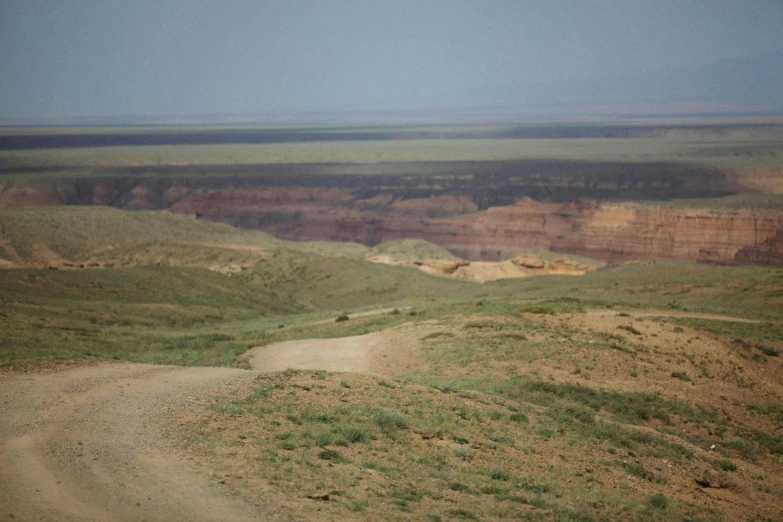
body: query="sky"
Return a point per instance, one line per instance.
(115, 58)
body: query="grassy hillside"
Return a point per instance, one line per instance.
(79, 233)
(173, 273)
(547, 398)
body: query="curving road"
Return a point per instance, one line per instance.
(91, 443)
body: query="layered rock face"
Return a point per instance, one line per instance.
(331, 208)
(606, 231)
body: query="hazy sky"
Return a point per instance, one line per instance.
(69, 58)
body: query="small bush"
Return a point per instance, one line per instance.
(682, 376)
(638, 470)
(499, 474)
(341, 318)
(436, 335)
(537, 309)
(768, 350)
(724, 465)
(354, 433)
(323, 439)
(463, 513)
(463, 452)
(630, 329)
(658, 501)
(518, 417)
(738, 444)
(391, 420)
(330, 454)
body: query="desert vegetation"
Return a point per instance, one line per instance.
(578, 389)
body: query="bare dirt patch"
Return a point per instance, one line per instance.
(523, 265)
(390, 352)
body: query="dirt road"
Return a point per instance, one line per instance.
(389, 352)
(92, 443)
(674, 314)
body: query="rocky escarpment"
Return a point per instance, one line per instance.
(499, 210)
(606, 231)
(768, 252)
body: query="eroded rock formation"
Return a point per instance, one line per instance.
(454, 216)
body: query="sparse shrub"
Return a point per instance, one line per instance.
(539, 501)
(623, 314)
(482, 325)
(738, 444)
(573, 516)
(682, 376)
(394, 312)
(658, 501)
(463, 513)
(463, 452)
(518, 417)
(391, 420)
(436, 335)
(768, 350)
(323, 439)
(537, 309)
(492, 489)
(724, 465)
(499, 474)
(341, 318)
(621, 348)
(354, 433)
(330, 454)
(630, 329)
(638, 470)
(678, 329)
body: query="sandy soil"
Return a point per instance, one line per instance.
(667, 313)
(391, 352)
(93, 443)
(523, 265)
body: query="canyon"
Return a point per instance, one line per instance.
(485, 211)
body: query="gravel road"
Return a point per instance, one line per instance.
(92, 443)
